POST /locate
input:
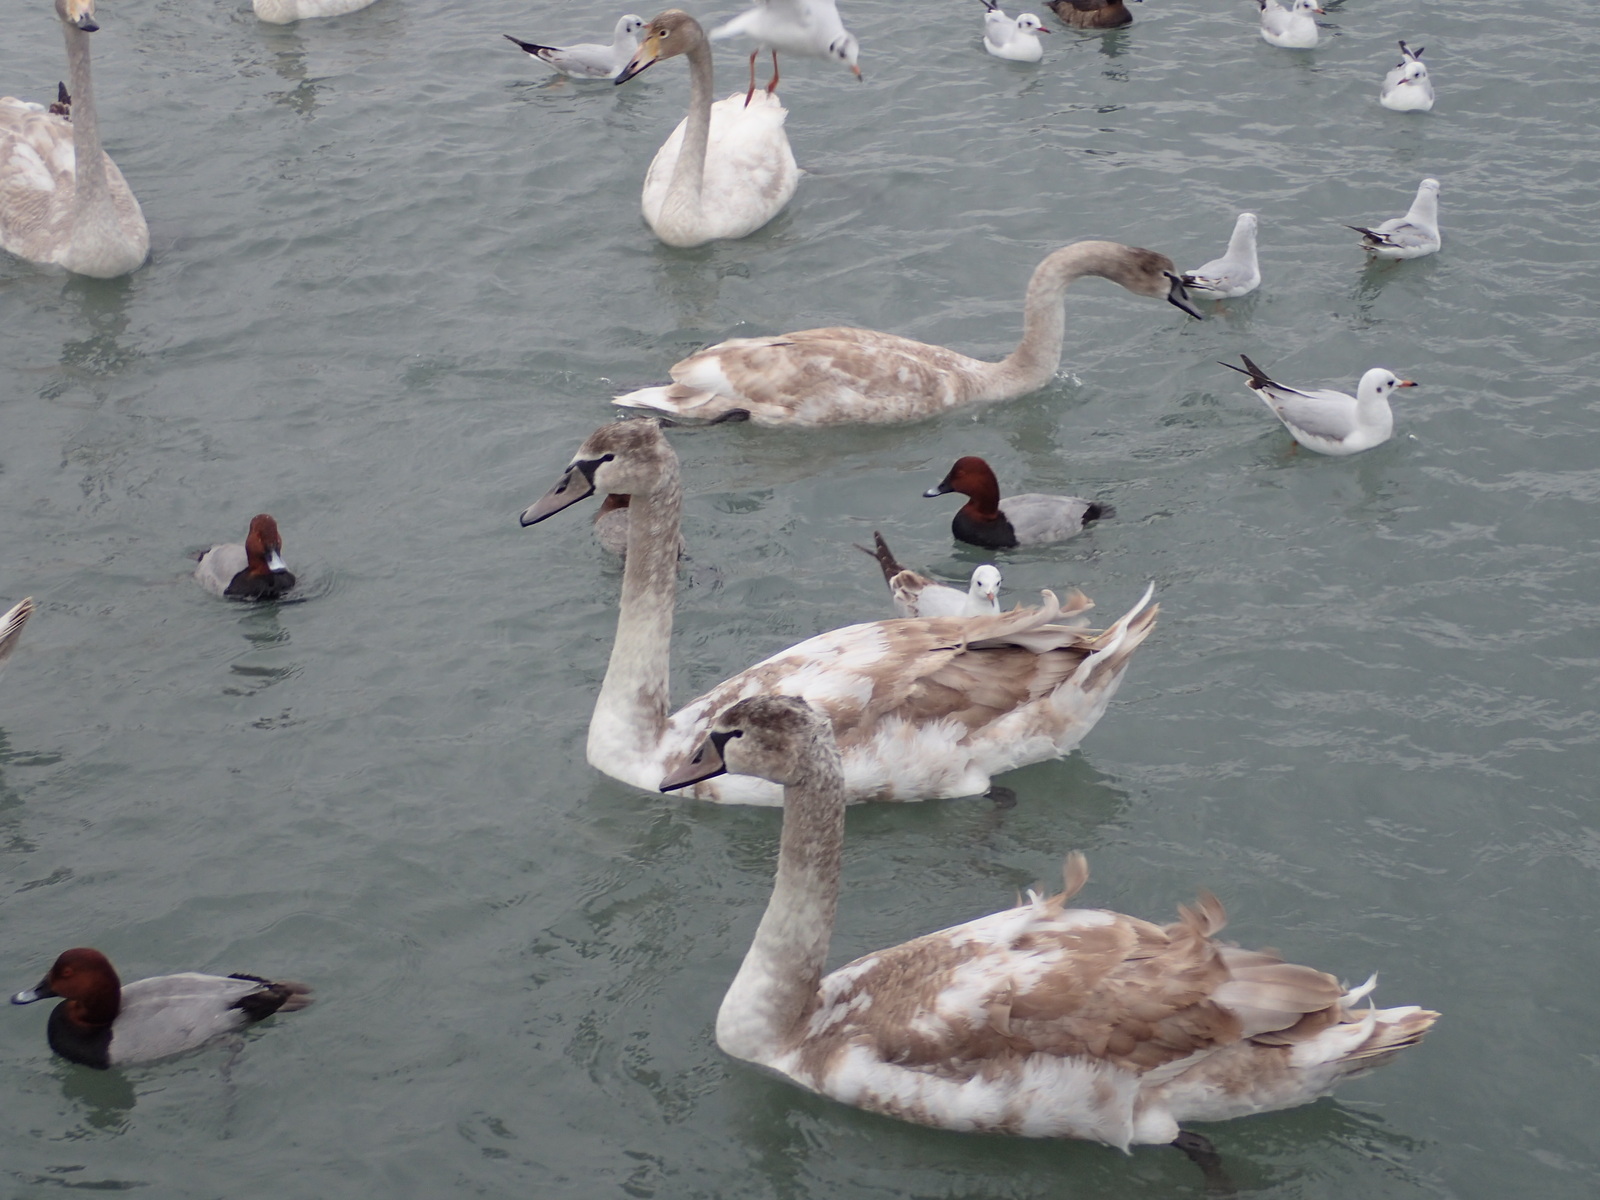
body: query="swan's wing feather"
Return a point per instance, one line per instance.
(817, 377)
(37, 163)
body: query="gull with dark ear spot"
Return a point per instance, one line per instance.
(809, 28)
(844, 375)
(915, 595)
(925, 708)
(589, 60)
(1042, 1020)
(1015, 39)
(1327, 421)
(1293, 28)
(1407, 88)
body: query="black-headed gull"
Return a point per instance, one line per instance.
(590, 60)
(1326, 421)
(1292, 28)
(810, 28)
(915, 595)
(1016, 39)
(1407, 88)
(1410, 236)
(1236, 273)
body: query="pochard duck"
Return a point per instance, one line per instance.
(11, 623)
(103, 1024)
(915, 595)
(253, 571)
(1031, 519)
(1092, 14)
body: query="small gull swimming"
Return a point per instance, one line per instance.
(1407, 88)
(1016, 38)
(1327, 421)
(1410, 236)
(1293, 28)
(590, 60)
(915, 595)
(1236, 273)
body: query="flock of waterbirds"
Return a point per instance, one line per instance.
(1042, 1020)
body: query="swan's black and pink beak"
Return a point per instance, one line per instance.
(645, 57)
(577, 483)
(1178, 296)
(706, 763)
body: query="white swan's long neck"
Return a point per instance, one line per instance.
(684, 190)
(630, 714)
(775, 991)
(91, 193)
(1044, 320)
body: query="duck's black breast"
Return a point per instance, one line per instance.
(79, 1043)
(996, 534)
(245, 586)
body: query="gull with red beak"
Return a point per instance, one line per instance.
(1326, 421)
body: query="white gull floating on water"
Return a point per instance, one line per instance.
(1012, 38)
(1236, 273)
(590, 60)
(1410, 236)
(1293, 28)
(1327, 421)
(1407, 88)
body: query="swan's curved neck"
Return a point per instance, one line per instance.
(630, 715)
(684, 190)
(90, 191)
(1044, 320)
(775, 991)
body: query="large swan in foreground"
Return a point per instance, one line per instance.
(923, 708)
(1042, 1020)
(727, 169)
(843, 374)
(62, 199)
(282, 12)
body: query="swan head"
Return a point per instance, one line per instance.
(779, 738)
(1377, 383)
(77, 13)
(630, 457)
(670, 34)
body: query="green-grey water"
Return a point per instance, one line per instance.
(396, 275)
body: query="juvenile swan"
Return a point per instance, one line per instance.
(841, 374)
(62, 199)
(923, 708)
(281, 12)
(1041, 1020)
(727, 169)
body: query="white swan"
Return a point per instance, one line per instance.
(62, 199)
(915, 595)
(727, 169)
(1041, 1020)
(282, 12)
(842, 374)
(924, 708)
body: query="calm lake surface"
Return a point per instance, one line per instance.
(396, 275)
